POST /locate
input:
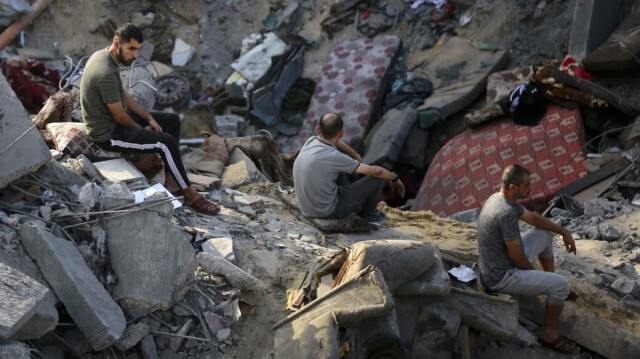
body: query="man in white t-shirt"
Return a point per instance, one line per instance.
(320, 176)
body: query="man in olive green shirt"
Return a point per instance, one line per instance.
(117, 123)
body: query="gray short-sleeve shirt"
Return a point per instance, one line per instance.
(315, 172)
(497, 223)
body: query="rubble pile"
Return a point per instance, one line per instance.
(99, 259)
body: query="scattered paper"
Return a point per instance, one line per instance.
(463, 273)
(140, 196)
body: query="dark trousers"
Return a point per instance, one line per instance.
(361, 196)
(165, 143)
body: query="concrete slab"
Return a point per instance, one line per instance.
(152, 259)
(118, 170)
(494, 315)
(15, 350)
(42, 322)
(220, 247)
(241, 171)
(29, 151)
(589, 329)
(88, 303)
(20, 298)
(593, 22)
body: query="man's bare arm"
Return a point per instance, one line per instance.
(539, 221)
(516, 255)
(133, 106)
(346, 149)
(120, 116)
(382, 173)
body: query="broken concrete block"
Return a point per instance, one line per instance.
(176, 342)
(228, 126)
(119, 169)
(593, 22)
(132, 336)
(115, 194)
(220, 247)
(598, 333)
(57, 174)
(42, 322)
(248, 211)
(182, 53)
(134, 79)
(29, 151)
(152, 259)
(312, 331)
(86, 300)
(20, 298)
(626, 286)
(203, 183)
(494, 315)
(148, 348)
(241, 171)
(377, 336)
(14, 350)
(141, 20)
(236, 276)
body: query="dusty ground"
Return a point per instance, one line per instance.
(216, 28)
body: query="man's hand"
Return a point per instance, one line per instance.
(153, 126)
(569, 243)
(397, 186)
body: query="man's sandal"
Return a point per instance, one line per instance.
(204, 206)
(560, 344)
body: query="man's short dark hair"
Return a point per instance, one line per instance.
(128, 31)
(330, 125)
(514, 174)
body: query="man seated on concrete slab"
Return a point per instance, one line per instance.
(505, 256)
(320, 177)
(117, 123)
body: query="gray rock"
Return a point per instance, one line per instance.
(625, 286)
(42, 322)
(248, 211)
(241, 171)
(20, 298)
(87, 302)
(176, 342)
(14, 350)
(221, 247)
(152, 259)
(468, 216)
(592, 232)
(132, 336)
(608, 232)
(148, 348)
(115, 194)
(595, 280)
(599, 207)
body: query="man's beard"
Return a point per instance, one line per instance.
(122, 59)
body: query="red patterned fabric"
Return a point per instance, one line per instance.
(468, 168)
(350, 85)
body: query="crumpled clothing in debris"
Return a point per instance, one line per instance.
(31, 80)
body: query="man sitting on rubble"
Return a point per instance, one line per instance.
(117, 123)
(506, 257)
(320, 177)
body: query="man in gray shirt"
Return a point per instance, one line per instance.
(506, 256)
(319, 176)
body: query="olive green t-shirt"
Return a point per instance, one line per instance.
(100, 85)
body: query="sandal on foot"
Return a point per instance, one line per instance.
(205, 206)
(572, 296)
(560, 344)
